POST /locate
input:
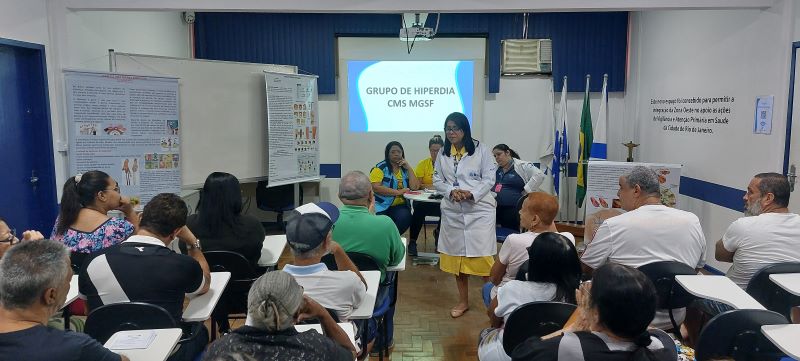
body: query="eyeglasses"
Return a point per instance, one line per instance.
(115, 189)
(451, 129)
(9, 237)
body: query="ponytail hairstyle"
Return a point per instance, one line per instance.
(462, 123)
(625, 300)
(79, 191)
(504, 148)
(437, 139)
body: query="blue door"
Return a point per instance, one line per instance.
(27, 173)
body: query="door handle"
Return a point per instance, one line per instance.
(792, 177)
(34, 180)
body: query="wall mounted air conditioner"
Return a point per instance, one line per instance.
(527, 56)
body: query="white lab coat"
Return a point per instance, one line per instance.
(468, 227)
(532, 176)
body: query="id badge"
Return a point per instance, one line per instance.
(498, 187)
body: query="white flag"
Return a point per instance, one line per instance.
(599, 146)
(547, 144)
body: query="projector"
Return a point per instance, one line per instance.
(417, 33)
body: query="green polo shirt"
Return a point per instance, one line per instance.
(357, 230)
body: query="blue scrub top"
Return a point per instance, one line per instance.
(512, 188)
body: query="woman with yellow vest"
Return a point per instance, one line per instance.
(424, 172)
(464, 173)
(391, 178)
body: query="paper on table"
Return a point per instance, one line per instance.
(132, 340)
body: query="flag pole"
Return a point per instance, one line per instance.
(585, 178)
(565, 186)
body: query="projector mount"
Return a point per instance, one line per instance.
(417, 30)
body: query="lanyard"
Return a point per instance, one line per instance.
(455, 171)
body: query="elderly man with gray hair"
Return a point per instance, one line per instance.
(359, 230)
(274, 305)
(34, 285)
(648, 232)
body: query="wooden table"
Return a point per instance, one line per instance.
(364, 310)
(788, 281)
(786, 337)
(160, 348)
(200, 307)
(718, 288)
(271, 250)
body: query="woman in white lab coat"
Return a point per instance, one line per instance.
(464, 173)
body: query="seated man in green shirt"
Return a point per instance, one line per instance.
(359, 230)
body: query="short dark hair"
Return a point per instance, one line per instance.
(164, 213)
(552, 258)
(388, 149)
(462, 123)
(625, 299)
(774, 183)
(437, 139)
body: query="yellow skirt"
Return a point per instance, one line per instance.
(478, 266)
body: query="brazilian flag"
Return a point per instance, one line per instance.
(585, 144)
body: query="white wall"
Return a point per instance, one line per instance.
(738, 53)
(80, 40)
(28, 21)
(24, 21)
(92, 33)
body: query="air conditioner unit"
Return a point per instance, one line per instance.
(527, 56)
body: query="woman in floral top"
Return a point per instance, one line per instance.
(83, 224)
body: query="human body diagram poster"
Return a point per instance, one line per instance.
(292, 128)
(127, 126)
(603, 184)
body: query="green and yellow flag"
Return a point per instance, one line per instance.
(585, 146)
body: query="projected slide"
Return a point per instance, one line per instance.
(407, 96)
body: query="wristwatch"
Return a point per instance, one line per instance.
(195, 245)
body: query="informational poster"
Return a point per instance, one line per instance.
(602, 201)
(293, 128)
(127, 126)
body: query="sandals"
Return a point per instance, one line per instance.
(456, 313)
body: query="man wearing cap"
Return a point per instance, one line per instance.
(308, 232)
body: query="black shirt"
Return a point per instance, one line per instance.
(140, 270)
(591, 346)
(246, 239)
(40, 343)
(250, 343)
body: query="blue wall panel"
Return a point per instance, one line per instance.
(583, 43)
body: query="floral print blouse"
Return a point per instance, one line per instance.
(112, 231)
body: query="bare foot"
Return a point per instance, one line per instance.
(459, 310)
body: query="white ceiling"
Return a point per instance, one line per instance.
(397, 6)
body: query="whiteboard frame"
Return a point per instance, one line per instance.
(191, 179)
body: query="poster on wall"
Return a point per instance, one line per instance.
(127, 126)
(602, 201)
(292, 128)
